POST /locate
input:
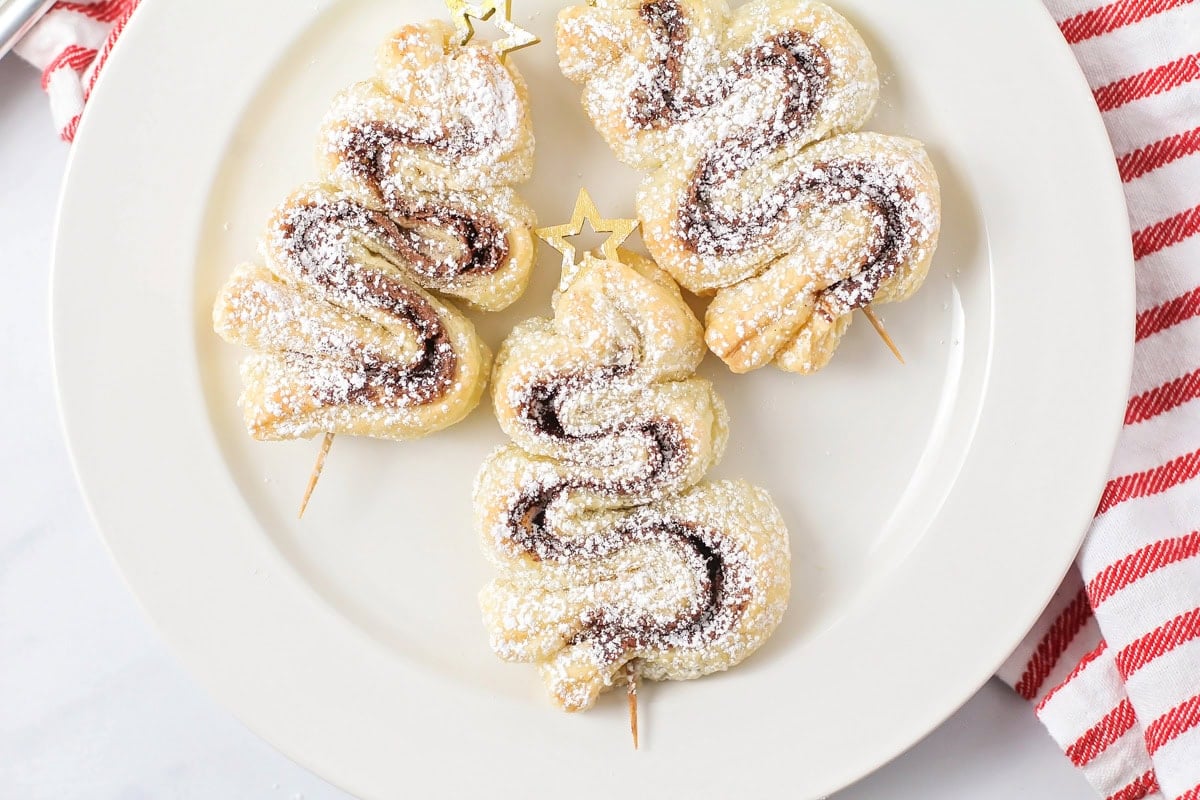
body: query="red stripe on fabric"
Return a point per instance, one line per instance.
(1162, 235)
(80, 60)
(1054, 643)
(1150, 482)
(1168, 314)
(1178, 720)
(1149, 83)
(113, 35)
(1134, 567)
(1162, 399)
(72, 56)
(1153, 156)
(103, 11)
(1109, 18)
(1191, 794)
(1079, 668)
(1096, 740)
(68, 133)
(1145, 785)
(1158, 642)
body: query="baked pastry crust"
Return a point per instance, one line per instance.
(611, 548)
(758, 191)
(348, 313)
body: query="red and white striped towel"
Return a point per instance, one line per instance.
(1114, 664)
(70, 45)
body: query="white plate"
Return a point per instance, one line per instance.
(933, 507)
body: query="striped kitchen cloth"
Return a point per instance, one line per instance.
(1113, 666)
(70, 45)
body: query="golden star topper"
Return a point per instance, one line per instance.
(461, 12)
(585, 210)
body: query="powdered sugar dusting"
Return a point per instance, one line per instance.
(725, 109)
(416, 194)
(611, 547)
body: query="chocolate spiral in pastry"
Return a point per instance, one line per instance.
(439, 245)
(660, 98)
(610, 546)
(316, 237)
(415, 198)
(724, 109)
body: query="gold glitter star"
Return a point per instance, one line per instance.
(585, 210)
(461, 12)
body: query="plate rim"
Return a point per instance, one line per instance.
(85, 477)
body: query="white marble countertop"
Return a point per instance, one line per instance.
(93, 707)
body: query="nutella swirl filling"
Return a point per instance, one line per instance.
(349, 312)
(612, 546)
(721, 596)
(438, 243)
(713, 610)
(721, 593)
(659, 100)
(540, 411)
(712, 229)
(316, 239)
(368, 147)
(366, 152)
(708, 226)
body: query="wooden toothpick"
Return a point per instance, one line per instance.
(869, 313)
(631, 697)
(316, 473)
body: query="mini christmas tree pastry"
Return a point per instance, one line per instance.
(759, 190)
(610, 548)
(347, 315)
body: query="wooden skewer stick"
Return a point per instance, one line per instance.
(316, 473)
(631, 697)
(869, 313)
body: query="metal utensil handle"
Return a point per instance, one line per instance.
(17, 17)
